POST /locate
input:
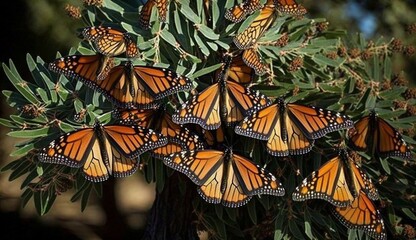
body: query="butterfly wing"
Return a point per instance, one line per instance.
(85, 68)
(361, 181)
(328, 183)
(179, 138)
(80, 148)
(241, 101)
(260, 124)
(377, 135)
(198, 166)
(362, 215)
(234, 69)
(390, 143)
(239, 12)
(111, 42)
(202, 109)
(122, 89)
(239, 71)
(160, 82)
(290, 7)
(359, 134)
(146, 12)
(230, 190)
(141, 117)
(133, 140)
(254, 179)
(290, 142)
(256, 29)
(252, 59)
(162, 8)
(213, 138)
(316, 122)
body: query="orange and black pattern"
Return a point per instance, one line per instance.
(290, 129)
(126, 85)
(337, 181)
(225, 101)
(239, 12)
(111, 42)
(377, 135)
(252, 59)
(290, 7)
(362, 214)
(179, 137)
(235, 69)
(102, 150)
(257, 28)
(225, 177)
(146, 12)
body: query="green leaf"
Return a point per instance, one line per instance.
(21, 85)
(385, 165)
(23, 150)
(206, 70)
(7, 123)
(188, 12)
(207, 32)
(409, 213)
(30, 133)
(168, 37)
(204, 49)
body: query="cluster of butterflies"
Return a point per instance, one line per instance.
(190, 139)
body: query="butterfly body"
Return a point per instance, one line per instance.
(102, 150)
(224, 177)
(290, 129)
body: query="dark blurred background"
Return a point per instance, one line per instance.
(42, 28)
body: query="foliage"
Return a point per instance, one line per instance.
(308, 63)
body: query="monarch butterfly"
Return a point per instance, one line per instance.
(257, 28)
(374, 133)
(224, 100)
(146, 12)
(236, 70)
(94, 67)
(224, 177)
(102, 150)
(290, 7)
(290, 129)
(179, 137)
(362, 214)
(240, 11)
(252, 59)
(126, 86)
(111, 42)
(338, 181)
